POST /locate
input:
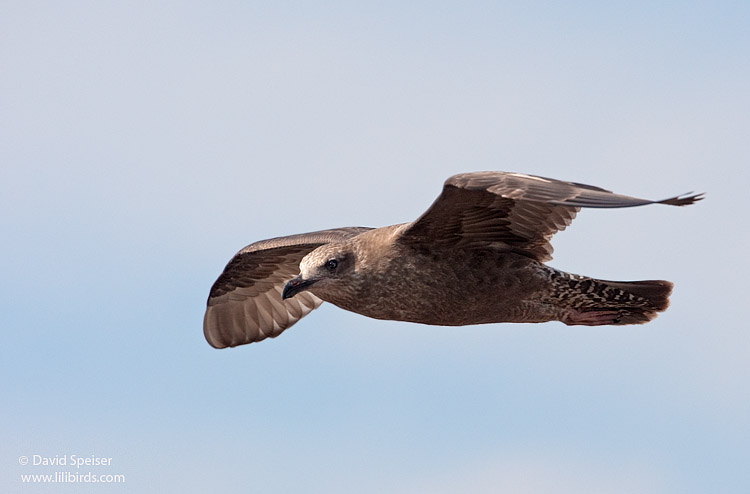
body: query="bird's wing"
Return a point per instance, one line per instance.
(245, 303)
(511, 210)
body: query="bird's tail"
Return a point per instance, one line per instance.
(600, 302)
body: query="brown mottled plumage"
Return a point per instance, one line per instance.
(475, 256)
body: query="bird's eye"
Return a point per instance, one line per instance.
(332, 264)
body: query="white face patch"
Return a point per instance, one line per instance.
(311, 264)
(304, 267)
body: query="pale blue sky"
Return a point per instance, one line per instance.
(142, 145)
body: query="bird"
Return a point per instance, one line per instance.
(477, 255)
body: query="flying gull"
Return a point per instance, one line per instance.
(475, 256)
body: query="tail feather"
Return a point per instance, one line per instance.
(656, 292)
(618, 302)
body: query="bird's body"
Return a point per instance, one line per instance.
(469, 286)
(476, 256)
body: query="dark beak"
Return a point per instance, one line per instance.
(294, 286)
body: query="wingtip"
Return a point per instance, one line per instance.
(684, 199)
(211, 332)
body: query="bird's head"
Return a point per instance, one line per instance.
(324, 268)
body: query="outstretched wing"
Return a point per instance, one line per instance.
(512, 210)
(245, 303)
